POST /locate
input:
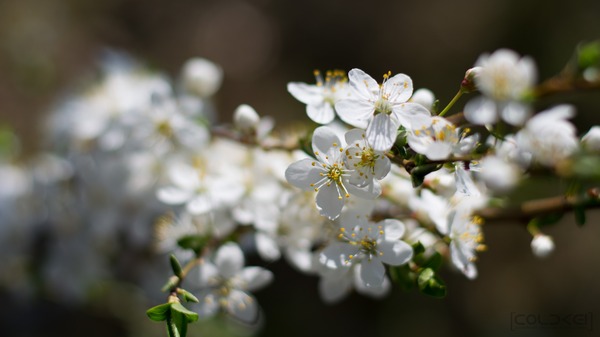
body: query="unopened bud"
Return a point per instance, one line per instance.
(542, 245)
(201, 77)
(468, 83)
(591, 140)
(246, 119)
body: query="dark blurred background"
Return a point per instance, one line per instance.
(47, 47)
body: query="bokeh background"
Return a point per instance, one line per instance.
(48, 48)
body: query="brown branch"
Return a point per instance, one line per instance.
(534, 208)
(563, 84)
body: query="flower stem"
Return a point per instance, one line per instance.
(454, 100)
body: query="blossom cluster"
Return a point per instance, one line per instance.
(387, 185)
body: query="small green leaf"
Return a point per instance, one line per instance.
(403, 277)
(187, 296)
(159, 313)
(193, 242)
(589, 55)
(434, 262)
(417, 175)
(418, 248)
(175, 266)
(430, 284)
(180, 309)
(171, 283)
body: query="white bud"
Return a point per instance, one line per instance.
(468, 83)
(591, 140)
(424, 97)
(245, 118)
(542, 245)
(202, 77)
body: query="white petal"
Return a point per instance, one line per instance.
(372, 272)
(208, 273)
(355, 136)
(305, 93)
(173, 195)
(375, 292)
(229, 260)
(369, 192)
(412, 116)
(256, 278)
(330, 201)
(242, 306)
(303, 173)
(481, 111)
(323, 143)
(381, 132)
(438, 150)
(267, 247)
(208, 304)
(355, 112)
(184, 176)
(398, 87)
(362, 84)
(395, 253)
(333, 290)
(321, 113)
(199, 204)
(382, 167)
(394, 229)
(515, 113)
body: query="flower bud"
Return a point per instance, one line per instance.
(424, 97)
(591, 140)
(201, 77)
(246, 119)
(542, 245)
(468, 83)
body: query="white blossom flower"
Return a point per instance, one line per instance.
(367, 164)
(320, 99)
(542, 245)
(335, 285)
(440, 140)
(370, 245)
(226, 283)
(381, 109)
(327, 175)
(548, 136)
(504, 79)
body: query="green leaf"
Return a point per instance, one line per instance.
(417, 175)
(430, 284)
(434, 262)
(175, 266)
(589, 55)
(193, 242)
(403, 277)
(159, 313)
(418, 248)
(171, 283)
(178, 319)
(180, 309)
(187, 296)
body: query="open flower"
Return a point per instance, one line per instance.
(504, 79)
(381, 108)
(320, 99)
(370, 245)
(440, 140)
(327, 174)
(226, 282)
(367, 164)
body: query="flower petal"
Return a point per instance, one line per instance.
(381, 132)
(242, 306)
(330, 201)
(305, 93)
(363, 85)
(394, 229)
(256, 278)
(355, 112)
(303, 173)
(229, 260)
(395, 253)
(321, 113)
(372, 272)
